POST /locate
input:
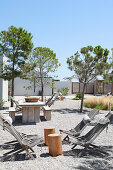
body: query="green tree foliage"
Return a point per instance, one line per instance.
(45, 62)
(16, 44)
(88, 64)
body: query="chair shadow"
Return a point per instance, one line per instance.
(18, 157)
(90, 153)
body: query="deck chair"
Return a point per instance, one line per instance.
(80, 127)
(23, 142)
(86, 140)
(18, 108)
(51, 100)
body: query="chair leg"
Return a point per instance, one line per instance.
(74, 146)
(26, 147)
(28, 154)
(31, 149)
(66, 137)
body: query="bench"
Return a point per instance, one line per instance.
(12, 112)
(47, 112)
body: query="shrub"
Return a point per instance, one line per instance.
(75, 98)
(1, 102)
(79, 95)
(88, 105)
(101, 103)
(101, 107)
(9, 98)
(64, 91)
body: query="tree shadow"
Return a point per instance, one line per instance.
(90, 153)
(95, 160)
(18, 121)
(95, 165)
(68, 111)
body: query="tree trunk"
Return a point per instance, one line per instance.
(34, 85)
(12, 92)
(42, 89)
(81, 108)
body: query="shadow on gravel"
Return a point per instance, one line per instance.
(18, 121)
(68, 111)
(45, 155)
(18, 157)
(95, 165)
(90, 153)
(15, 157)
(94, 160)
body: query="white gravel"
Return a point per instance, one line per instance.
(65, 115)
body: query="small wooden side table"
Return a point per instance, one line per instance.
(48, 131)
(55, 144)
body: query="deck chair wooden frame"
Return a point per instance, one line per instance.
(51, 100)
(18, 108)
(80, 127)
(24, 142)
(86, 140)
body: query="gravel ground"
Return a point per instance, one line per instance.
(65, 115)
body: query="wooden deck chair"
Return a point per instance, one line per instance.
(23, 142)
(80, 127)
(51, 100)
(86, 140)
(18, 108)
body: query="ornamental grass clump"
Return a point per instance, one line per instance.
(101, 103)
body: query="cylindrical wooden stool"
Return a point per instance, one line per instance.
(55, 144)
(48, 131)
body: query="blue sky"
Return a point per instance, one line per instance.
(64, 26)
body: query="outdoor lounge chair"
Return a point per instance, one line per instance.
(51, 100)
(80, 127)
(18, 108)
(86, 140)
(22, 143)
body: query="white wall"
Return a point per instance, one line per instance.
(19, 89)
(63, 84)
(3, 83)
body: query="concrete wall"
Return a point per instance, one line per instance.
(63, 84)
(3, 83)
(19, 89)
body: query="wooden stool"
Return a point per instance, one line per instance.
(55, 144)
(48, 131)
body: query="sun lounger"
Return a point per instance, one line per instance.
(18, 108)
(80, 127)
(86, 140)
(23, 142)
(51, 100)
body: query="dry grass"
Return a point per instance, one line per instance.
(94, 101)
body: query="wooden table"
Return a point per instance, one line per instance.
(31, 111)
